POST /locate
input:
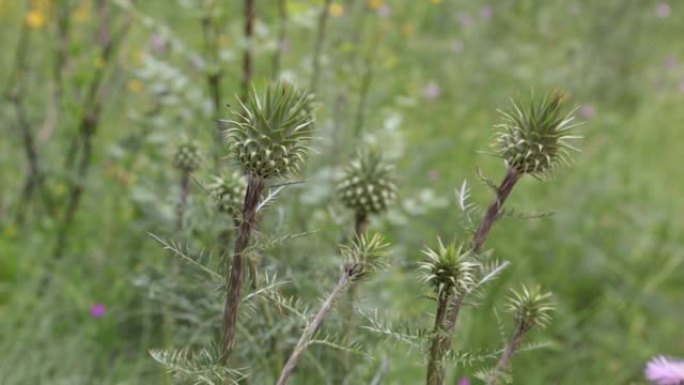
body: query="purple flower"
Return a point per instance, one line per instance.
(665, 371)
(486, 13)
(431, 91)
(384, 10)
(587, 111)
(464, 381)
(663, 10)
(433, 175)
(158, 44)
(670, 62)
(465, 19)
(97, 310)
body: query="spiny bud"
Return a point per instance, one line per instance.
(269, 134)
(187, 157)
(449, 267)
(229, 193)
(530, 307)
(368, 184)
(364, 256)
(535, 137)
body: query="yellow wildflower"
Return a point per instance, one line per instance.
(135, 86)
(81, 14)
(99, 62)
(407, 29)
(336, 10)
(10, 231)
(375, 4)
(35, 19)
(58, 190)
(437, 1)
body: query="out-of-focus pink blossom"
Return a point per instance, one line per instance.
(284, 46)
(433, 175)
(665, 371)
(663, 10)
(384, 10)
(97, 310)
(158, 44)
(465, 19)
(587, 111)
(431, 91)
(486, 13)
(680, 86)
(670, 62)
(464, 381)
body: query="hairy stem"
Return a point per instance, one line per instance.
(494, 210)
(447, 323)
(506, 355)
(247, 56)
(441, 339)
(311, 328)
(235, 277)
(318, 46)
(360, 223)
(183, 201)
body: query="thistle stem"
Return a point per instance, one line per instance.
(447, 315)
(311, 328)
(494, 210)
(234, 278)
(506, 355)
(360, 223)
(183, 201)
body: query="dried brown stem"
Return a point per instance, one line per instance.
(234, 278)
(312, 327)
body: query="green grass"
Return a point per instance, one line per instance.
(612, 254)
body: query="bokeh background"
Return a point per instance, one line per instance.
(420, 79)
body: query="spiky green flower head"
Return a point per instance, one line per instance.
(368, 184)
(449, 267)
(535, 136)
(229, 193)
(187, 157)
(270, 133)
(530, 307)
(365, 255)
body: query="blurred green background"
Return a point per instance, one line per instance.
(421, 79)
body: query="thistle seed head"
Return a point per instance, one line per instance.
(364, 256)
(530, 307)
(449, 267)
(535, 138)
(368, 185)
(187, 157)
(229, 193)
(270, 134)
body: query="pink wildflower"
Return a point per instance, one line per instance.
(665, 371)
(97, 310)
